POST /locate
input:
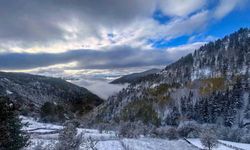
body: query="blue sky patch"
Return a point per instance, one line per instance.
(160, 17)
(162, 43)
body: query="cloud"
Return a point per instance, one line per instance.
(99, 87)
(26, 24)
(180, 8)
(225, 7)
(57, 26)
(36, 26)
(186, 26)
(138, 32)
(113, 58)
(103, 34)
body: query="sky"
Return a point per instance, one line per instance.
(104, 39)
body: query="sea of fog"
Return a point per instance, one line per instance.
(100, 87)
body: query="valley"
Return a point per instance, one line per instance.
(125, 75)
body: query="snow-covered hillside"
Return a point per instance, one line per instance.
(47, 135)
(209, 86)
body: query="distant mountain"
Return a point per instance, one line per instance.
(32, 91)
(130, 78)
(212, 85)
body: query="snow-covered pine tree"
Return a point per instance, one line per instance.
(11, 135)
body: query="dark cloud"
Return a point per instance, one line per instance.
(34, 22)
(27, 20)
(117, 57)
(29, 25)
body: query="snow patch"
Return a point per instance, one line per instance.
(109, 140)
(239, 145)
(106, 140)
(244, 69)
(243, 146)
(9, 92)
(201, 73)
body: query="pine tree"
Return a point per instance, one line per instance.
(183, 106)
(205, 110)
(174, 116)
(11, 135)
(237, 93)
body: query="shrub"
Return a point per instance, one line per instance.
(68, 139)
(166, 132)
(11, 135)
(43, 146)
(223, 132)
(103, 127)
(189, 129)
(245, 138)
(172, 133)
(90, 144)
(39, 146)
(140, 110)
(51, 112)
(131, 129)
(231, 134)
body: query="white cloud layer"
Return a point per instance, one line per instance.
(52, 35)
(225, 7)
(180, 7)
(99, 87)
(60, 25)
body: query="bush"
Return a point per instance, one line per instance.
(103, 127)
(11, 135)
(68, 139)
(90, 144)
(131, 129)
(172, 133)
(140, 110)
(245, 138)
(223, 132)
(189, 129)
(235, 134)
(231, 134)
(209, 139)
(39, 146)
(51, 112)
(166, 132)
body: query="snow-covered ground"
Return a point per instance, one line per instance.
(223, 145)
(239, 145)
(42, 133)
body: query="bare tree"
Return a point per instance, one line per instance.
(209, 139)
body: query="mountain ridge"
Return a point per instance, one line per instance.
(196, 87)
(130, 78)
(32, 91)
